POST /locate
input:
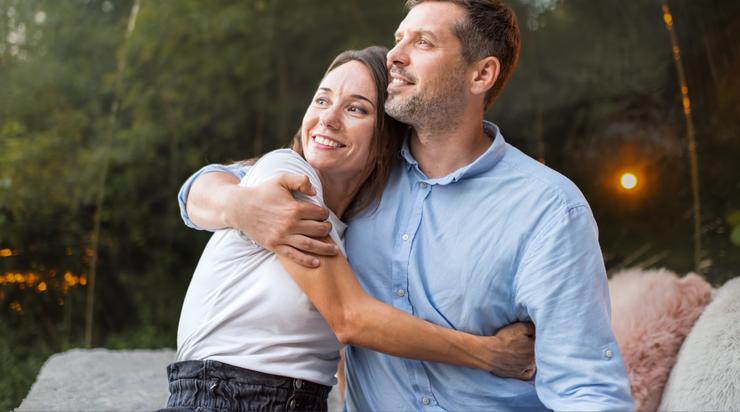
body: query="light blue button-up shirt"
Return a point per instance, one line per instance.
(502, 240)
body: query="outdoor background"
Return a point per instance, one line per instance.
(107, 106)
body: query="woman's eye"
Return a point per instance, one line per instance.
(357, 109)
(320, 100)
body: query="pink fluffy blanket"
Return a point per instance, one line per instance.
(652, 312)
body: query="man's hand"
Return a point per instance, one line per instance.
(512, 351)
(267, 213)
(270, 216)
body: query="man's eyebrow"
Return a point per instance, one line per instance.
(428, 33)
(356, 96)
(422, 32)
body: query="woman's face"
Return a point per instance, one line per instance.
(338, 126)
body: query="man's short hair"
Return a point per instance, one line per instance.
(489, 29)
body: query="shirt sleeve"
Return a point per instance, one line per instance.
(562, 287)
(280, 162)
(237, 170)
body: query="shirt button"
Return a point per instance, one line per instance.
(425, 401)
(423, 185)
(608, 353)
(405, 236)
(298, 384)
(291, 404)
(401, 292)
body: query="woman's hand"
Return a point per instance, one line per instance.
(510, 352)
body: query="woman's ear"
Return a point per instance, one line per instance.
(485, 74)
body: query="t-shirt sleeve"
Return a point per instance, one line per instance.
(282, 161)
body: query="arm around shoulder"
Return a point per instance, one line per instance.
(189, 198)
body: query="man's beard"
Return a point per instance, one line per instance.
(438, 108)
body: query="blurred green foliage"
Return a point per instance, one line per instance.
(595, 94)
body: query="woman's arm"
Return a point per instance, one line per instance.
(358, 319)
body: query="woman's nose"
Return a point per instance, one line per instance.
(331, 118)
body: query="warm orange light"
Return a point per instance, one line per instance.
(628, 181)
(41, 287)
(6, 252)
(16, 306)
(668, 19)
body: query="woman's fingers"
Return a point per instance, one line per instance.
(528, 373)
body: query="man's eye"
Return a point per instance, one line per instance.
(423, 42)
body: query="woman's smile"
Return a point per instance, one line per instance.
(324, 142)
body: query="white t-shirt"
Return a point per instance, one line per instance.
(244, 309)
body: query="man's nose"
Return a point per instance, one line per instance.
(331, 117)
(398, 55)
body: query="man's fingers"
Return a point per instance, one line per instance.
(297, 256)
(297, 183)
(312, 228)
(310, 211)
(306, 244)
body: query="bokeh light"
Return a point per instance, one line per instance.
(628, 181)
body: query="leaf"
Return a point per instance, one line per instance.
(733, 219)
(735, 236)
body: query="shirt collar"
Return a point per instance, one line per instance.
(483, 163)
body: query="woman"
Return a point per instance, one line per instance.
(258, 332)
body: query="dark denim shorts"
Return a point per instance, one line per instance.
(216, 386)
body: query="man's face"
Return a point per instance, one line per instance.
(427, 70)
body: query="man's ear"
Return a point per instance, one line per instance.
(485, 74)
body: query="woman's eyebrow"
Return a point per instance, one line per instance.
(361, 97)
(356, 96)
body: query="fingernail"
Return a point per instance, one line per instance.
(315, 263)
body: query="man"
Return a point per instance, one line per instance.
(470, 232)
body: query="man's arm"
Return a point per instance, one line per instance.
(233, 171)
(212, 199)
(562, 286)
(358, 319)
